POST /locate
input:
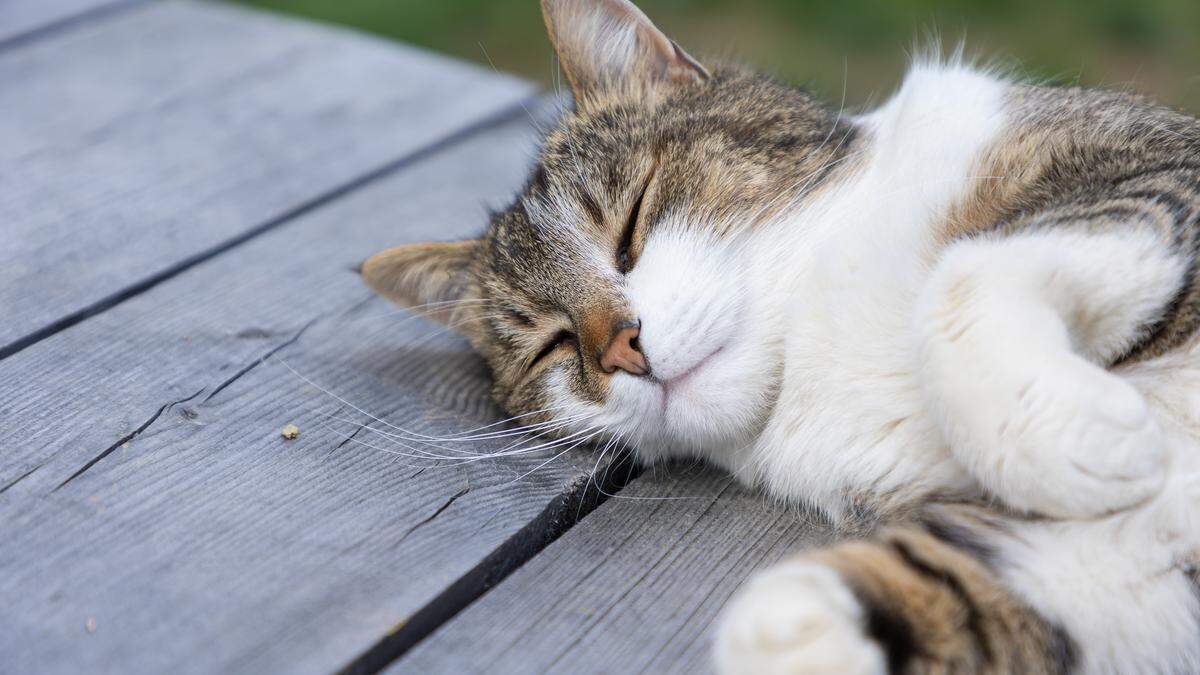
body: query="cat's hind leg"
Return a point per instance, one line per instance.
(900, 602)
(968, 591)
(1015, 335)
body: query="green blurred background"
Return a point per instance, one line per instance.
(1152, 46)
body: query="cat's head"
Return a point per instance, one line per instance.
(629, 288)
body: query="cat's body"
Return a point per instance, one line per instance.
(980, 293)
(859, 270)
(857, 425)
(846, 269)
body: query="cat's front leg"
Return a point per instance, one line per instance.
(1012, 334)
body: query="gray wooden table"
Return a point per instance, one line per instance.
(183, 187)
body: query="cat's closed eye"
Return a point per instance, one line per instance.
(625, 259)
(562, 338)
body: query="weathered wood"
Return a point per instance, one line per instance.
(205, 542)
(133, 146)
(20, 19)
(634, 587)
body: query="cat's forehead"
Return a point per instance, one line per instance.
(724, 148)
(540, 254)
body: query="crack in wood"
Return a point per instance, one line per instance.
(256, 362)
(453, 498)
(554, 521)
(20, 478)
(126, 438)
(349, 438)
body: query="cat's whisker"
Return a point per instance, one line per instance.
(595, 431)
(424, 438)
(521, 416)
(621, 446)
(458, 460)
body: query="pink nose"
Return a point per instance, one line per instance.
(624, 353)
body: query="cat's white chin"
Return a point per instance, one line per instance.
(682, 385)
(705, 409)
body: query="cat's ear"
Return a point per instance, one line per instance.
(610, 44)
(432, 279)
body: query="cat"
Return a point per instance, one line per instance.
(969, 315)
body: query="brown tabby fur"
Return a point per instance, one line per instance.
(724, 143)
(1096, 160)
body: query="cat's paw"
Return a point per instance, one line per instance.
(1078, 442)
(798, 617)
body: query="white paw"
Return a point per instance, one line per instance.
(1077, 442)
(796, 618)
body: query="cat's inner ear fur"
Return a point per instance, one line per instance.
(607, 46)
(433, 279)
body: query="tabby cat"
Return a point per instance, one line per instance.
(970, 314)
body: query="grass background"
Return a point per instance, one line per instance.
(1152, 46)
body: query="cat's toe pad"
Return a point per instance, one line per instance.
(798, 617)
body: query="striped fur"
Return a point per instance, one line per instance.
(1097, 161)
(926, 599)
(968, 317)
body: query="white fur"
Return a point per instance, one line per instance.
(796, 618)
(867, 407)
(850, 419)
(1012, 331)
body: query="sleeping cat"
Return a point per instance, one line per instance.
(971, 314)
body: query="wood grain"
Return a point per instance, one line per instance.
(635, 587)
(134, 146)
(22, 21)
(198, 539)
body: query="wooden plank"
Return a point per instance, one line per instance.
(204, 542)
(22, 18)
(635, 587)
(133, 146)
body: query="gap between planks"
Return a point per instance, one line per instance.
(560, 515)
(505, 114)
(100, 12)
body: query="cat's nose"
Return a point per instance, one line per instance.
(624, 352)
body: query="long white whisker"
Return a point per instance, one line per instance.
(596, 432)
(519, 431)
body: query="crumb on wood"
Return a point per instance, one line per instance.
(290, 432)
(90, 624)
